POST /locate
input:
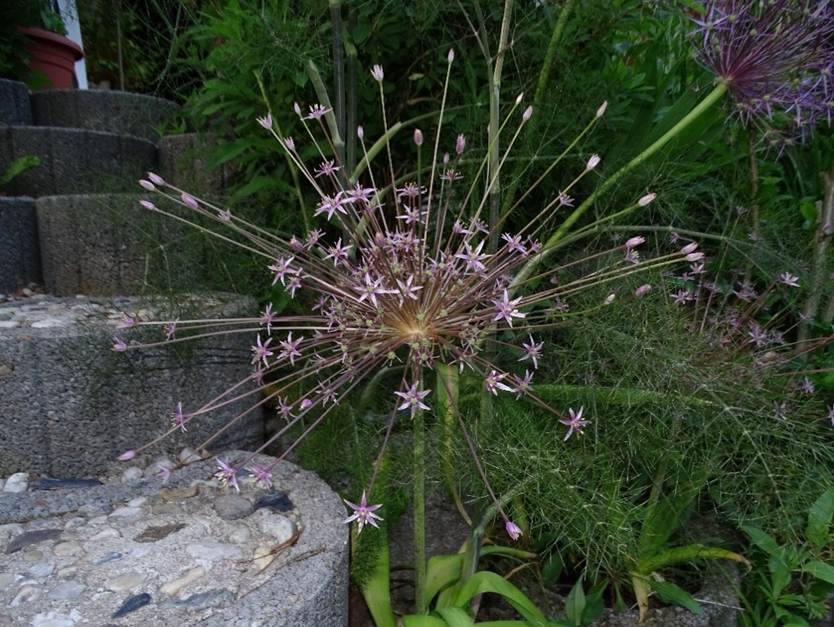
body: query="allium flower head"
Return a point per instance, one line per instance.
(512, 529)
(776, 57)
(400, 273)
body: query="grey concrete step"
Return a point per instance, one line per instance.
(184, 162)
(14, 103)
(118, 112)
(20, 260)
(74, 161)
(99, 244)
(70, 404)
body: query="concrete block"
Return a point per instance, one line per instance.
(118, 112)
(20, 261)
(69, 404)
(74, 161)
(184, 159)
(15, 108)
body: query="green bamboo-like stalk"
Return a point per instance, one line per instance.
(538, 96)
(702, 107)
(419, 493)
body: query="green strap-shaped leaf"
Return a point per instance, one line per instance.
(762, 540)
(820, 570)
(575, 604)
(423, 621)
(485, 581)
(456, 617)
(670, 593)
(819, 519)
(688, 553)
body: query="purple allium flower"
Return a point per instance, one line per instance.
(412, 399)
(363, 513)
(574, 422)
(281, 268)
(377, 73)
(681, 297)
(473, 257)
(284, 408)
(119, 345)
(523, 385)
(338, 253)
(806, 386)
(317, 112)
(532, 351)
(786, 278)
(565, 200)
(494, 382)
(775, 57)
(268, 318)
(261, 352)
(290, 348)
(831, 414)
(227, 474)
(170, 330)
(262, 474)
(265, 121)
(179, 418)
(507, 309)
(327, 167)
(512, 529)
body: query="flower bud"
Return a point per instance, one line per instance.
(147, 204)
(609, 299)
(189, 201)
(289, 144)
(451, 55)
(592, 162)
(156, 179)
(646, 200)
(360, 132)
(635, 241)
(297, 108)
(689, 248)
(127, 456)
(528, 112)
(642, 290)
(418, 137)
(147, 185)
(695, 256)
(377, 73)
(460, 144)
(519, 98)
(602, 108)
(512, 529)
(445, 158)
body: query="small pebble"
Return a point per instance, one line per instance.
(18, 482)
(125, 512)
(26, 594)
(131, 474)
(232, 507)
(67, 590)
(173, 587)
(132, 604)
(67, 549)
(128, 581)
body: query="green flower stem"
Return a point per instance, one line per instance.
(419, 450)
(702, 107)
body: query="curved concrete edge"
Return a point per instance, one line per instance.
(15, 106)
(117, 112)
(20, 261)
(309, 586)
(75, 160)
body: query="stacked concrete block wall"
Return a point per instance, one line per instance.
(67, 402)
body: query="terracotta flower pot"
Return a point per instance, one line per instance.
(52, 55)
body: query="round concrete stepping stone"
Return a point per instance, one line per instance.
(177, 562)
(20, 260)
(117, 112)
(70, 404)
(100, 244)
(14, 104)
(74, 161)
